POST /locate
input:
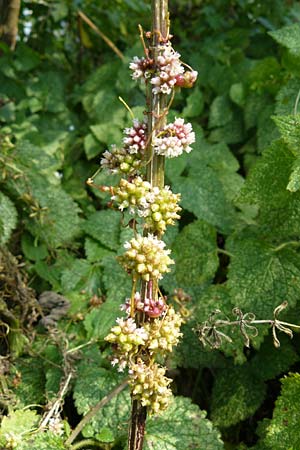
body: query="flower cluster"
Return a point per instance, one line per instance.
(150, 386)
(135, 137)
(149, 306)
(164, 333)
(166, 73)
(159, 207)
(119, 160)
(175, 139)
(151, 328)
(128, 159)
(146, 257)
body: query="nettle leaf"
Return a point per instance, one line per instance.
(266, 186)
(288, 37)
(117, 284)
(8, 218)
(94, 251)
(220, 111)
(261, 276)
(31, 388)
(294, 180)
(17, 424)
(237, 394)
(104, 226)
(289, 127)
(286, 97)
(43, 441)
(182, 426)
(270, 361)
(282, 431)
(92, 384)
(194, 104)
(92, 146)
(59, 223)
(31, 249)
(82, 275)
(196, 264)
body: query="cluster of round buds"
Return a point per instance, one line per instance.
(187, 80)
(150, 307)
(135, 137)
(127, 336)
(146, 257)
(161, 209)
(150, 386)
(164, 333)
(119, 160)
(175, 139)
(131, 193)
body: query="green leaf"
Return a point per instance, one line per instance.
(104, 226)
(282, 432)
(194, 104)
(26, 58)
(237, 93)
(266, 186)
(237, 394)
(92, 384)
(17, 424)
(31, 388)
(196, 264)
(182, 426)
(92, 147)
(94, 251)
(43, 441)
(270, 361)
(107, 133)
(31, 249)
(82, 275)
(286, 97)
(220, 112)
(212, 178)
(289, 127)
(260, 276)
(288, 37)
(294, 180)
(8, 218)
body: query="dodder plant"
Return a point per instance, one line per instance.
(151, 327)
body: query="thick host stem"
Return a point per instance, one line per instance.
(9, 16)
(155, 175)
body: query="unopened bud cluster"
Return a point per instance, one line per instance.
(146, 257)
(164, 333)
(119, 160)
(159, 207)
(151, 328)
(150, 385)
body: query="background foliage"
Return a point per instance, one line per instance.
(237, 244)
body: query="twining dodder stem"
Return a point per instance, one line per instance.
(154, 174)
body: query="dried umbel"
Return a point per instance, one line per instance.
(150, 386)
(146, 257)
